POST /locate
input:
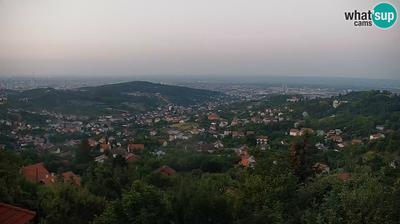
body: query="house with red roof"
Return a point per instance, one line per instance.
(10, 214)
(213, 117)
(37, 173)
(246, 160)
(70, 177)
(130, 157)
(135, 147)
(165, 170)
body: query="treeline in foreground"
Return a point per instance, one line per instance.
(282, 188)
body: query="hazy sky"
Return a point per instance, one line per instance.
(194, 37)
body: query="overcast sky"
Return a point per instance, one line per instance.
(194, 37)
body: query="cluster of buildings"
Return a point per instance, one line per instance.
(335, 136)
(37, 173)
(123, 133)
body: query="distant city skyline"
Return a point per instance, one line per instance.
(101, 38)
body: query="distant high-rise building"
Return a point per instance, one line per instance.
(284, 89)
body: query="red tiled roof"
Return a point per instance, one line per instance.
(166, 170)
(132, 157)
(14, 215)
(35, 173)
(213, 117)
(50, 179)
(133, 147)
(344, 176)
(244, 160)
(72, 178)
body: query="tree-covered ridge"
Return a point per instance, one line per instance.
(357, 112)
(174, 94)
(134, 96)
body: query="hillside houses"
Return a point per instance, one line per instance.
(37, 173)
(376, 136)
(294, 132)
(262, 140)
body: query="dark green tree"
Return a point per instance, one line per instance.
(64, 203)
(143, 204)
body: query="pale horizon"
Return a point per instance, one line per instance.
(68, 38)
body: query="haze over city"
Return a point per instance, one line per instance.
(199, 112)
(193, 38)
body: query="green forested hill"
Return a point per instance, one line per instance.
(174, 94)
(130, 96)
(358, 112)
